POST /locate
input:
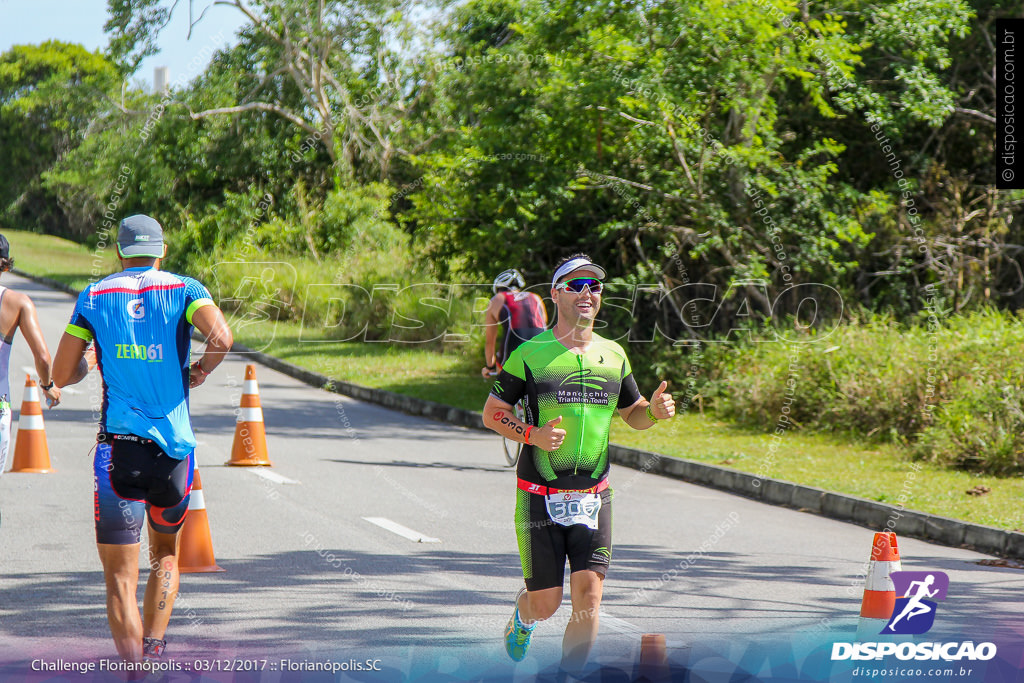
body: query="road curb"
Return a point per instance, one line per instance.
(389, 399)
(49, 282)
(840, 506)
(868, 513)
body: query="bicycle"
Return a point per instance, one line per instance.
(514, 448)
(511, 447)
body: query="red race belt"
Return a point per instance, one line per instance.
(543, 490)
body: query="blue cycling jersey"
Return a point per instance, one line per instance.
(141, 321)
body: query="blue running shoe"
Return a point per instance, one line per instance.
(517, 635)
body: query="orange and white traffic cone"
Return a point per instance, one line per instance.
(879, 589)
(653, 658)
(195, 552)
(31, 454)
(250, 445)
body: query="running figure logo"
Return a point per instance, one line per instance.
(914, 613)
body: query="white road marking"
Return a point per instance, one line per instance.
(624, 627)
(271, 476)
(620, 625)
(403, 531)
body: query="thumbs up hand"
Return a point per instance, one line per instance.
(662, 406)
(549, 437)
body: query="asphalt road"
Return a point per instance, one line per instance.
(309, 578)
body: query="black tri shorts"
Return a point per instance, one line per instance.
(134, 479)
(544, 545)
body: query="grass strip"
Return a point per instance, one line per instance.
(876, 472)
(879, 472)
(59, 259)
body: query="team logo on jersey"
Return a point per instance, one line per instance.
(136, 309)
(583, 386)
(154, 353)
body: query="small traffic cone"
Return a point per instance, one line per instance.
(879, 589)
(250, 445)
(653, 658)
(195, 552)
(31, 454)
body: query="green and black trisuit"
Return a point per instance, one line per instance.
(557, 511)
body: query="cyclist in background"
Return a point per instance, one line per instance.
(521, 313)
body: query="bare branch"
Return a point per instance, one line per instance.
(975, 113)
(170, 14)
(262, 25)
(256, 106)
(680, 155)
(644, 122)
(621, 180)
(192, 24)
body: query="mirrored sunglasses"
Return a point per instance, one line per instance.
(577, 284)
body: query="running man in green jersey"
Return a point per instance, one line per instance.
(573, 382)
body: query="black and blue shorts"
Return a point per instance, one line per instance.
(134, 479)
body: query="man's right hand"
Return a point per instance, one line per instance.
(196, 374)
(549, 437)
(52, 396)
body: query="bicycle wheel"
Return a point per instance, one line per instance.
(513, 448)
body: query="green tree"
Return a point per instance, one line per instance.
(50, 95)
(352, 63)
(680, 140)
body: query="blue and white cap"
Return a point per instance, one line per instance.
(575, 264)
(140, 235)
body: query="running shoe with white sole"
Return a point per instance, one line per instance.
(517, 635)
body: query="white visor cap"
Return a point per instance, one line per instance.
(576, 264)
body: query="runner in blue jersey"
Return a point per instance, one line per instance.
(136, 325)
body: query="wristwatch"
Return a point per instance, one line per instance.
(46, 387)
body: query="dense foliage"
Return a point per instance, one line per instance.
(950, 388)
(718, 157)
(52, 96)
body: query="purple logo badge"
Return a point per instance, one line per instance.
(914, 612)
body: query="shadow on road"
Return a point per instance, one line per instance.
(346, 598)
